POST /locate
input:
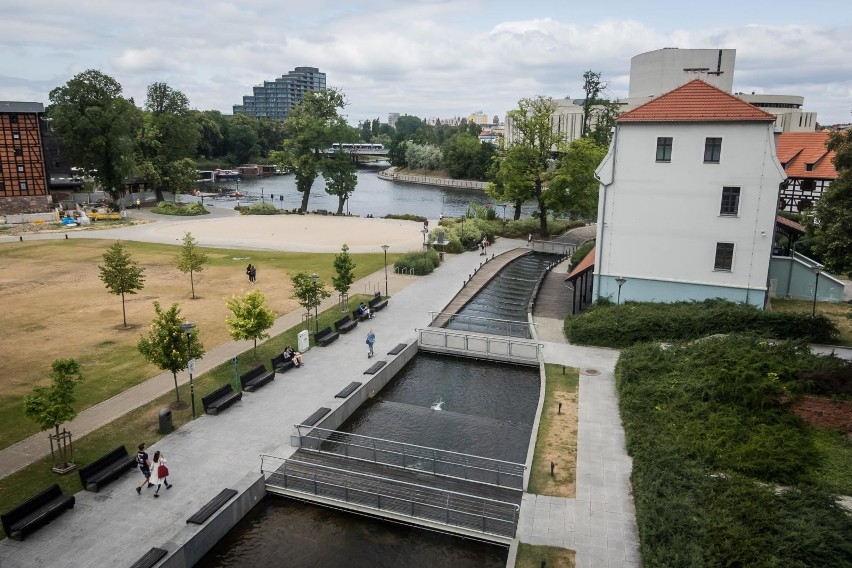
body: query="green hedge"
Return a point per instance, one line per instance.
(172, 208)
(260, 208)
(421, 263)
(581, 252)
(608, 325)
(406, 217)
(713, 444)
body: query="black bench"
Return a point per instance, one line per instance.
(35, 512)
(349, 389)
(377, 303)
(212, 506)
(375, 368)
(256, 378)
(398, 349)
(359, 317)
(220, 399)
(325, 336)
(345, 324)
(282, 363)
(150, 558)
(106, 468)
(315, 417)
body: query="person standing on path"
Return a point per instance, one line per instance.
(138, 204)
(144, 467)
(529, 240)
(371, 339)
(160, 473)
(253, 275)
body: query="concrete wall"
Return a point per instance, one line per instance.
(479, 346)
(796, 280)
(659, 71)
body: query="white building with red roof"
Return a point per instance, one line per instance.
(688, 199)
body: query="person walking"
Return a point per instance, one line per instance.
(138, 204)
(159, 473)
(249, 268)
(144, 466)
(253, 275)
(529, 240)
(371, 339)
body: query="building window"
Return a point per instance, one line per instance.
(724, 257)
(13, 118)
(730, 201)
(809, 167)
(19, 152)
(21, 169)
(664, 149)
(712, 150)
(16, 135)
(22, 185)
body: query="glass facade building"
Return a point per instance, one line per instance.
(274, 99)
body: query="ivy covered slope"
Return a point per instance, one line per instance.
(724, 474)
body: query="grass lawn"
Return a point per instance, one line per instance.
(530, 556)
(55, 306)
(838, 312)
(557, 435)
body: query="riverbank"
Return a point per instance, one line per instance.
(395, 174)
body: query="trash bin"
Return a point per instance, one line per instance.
(304, 341)
(166, 421)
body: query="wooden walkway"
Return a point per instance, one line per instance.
(482, 276)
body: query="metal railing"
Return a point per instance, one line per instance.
(412, 457)
(514, 328)
(402, 499)
(480, 345)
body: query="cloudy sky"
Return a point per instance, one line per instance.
(422, 57)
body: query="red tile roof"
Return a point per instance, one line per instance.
(790, 224)
(797, 150)
(587, 262)
(696, 101)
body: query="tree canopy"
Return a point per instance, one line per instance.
(251, 317)
(121, 274)
(574, 188)
(344, 269)
(191, 258)
(831, 220)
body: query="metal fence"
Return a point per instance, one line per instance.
(480, 324)
(412, 457)
(398, 498)
(479, 345)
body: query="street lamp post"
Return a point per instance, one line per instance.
(385, 248)
(190, 362)
(425, 232)
(315, 277)
(620, 281)
(817, 270)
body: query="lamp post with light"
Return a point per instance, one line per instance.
(817, 269)
(385, 248)
(187, 328)
(425, 232)
(620, 281)
(314, 278)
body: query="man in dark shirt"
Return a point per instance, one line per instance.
(144, 466)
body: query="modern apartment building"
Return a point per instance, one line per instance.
(274, 99)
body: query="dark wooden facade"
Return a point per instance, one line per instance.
(23, 182)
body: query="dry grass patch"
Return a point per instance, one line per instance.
(557, 435)
(530, 556)
(838, 312)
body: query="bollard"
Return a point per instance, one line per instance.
(560, 409)
(552, 465)
(22, 238)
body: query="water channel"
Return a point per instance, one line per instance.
(464, 405)
(372, 196)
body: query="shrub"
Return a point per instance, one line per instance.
(523, 227)
(608, 325)
(406, 217)
(419, 263)
(581, 252)
(260, 208)
(185, 209)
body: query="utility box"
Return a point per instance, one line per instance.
(304, 340)
(166, 421)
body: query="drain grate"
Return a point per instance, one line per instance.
(591, 372)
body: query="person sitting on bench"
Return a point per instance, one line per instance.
(294, 355)
(365, 311)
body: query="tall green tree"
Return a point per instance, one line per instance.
(94, 124)
(525, 167)
(191, 259)
(121, 274)
(251, 317)
(338, 170)
(54, 405)
(242, 139)
(593, 86)
(465, 157)
(574, 188)
(344, 273)
(313, 125)
(831, 220)
(407, 125)
(309, 294)
(167, 345)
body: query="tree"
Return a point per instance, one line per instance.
(338, 170)
(54, 405)
(407, 125)
(832, 215)
(251, 317)
(94, 124)
(524, 168)
(344, 269)
(574, 188)
(313, 125)
(465, 157)
(242, 139)
(593, 86)
(310, 294)
(423, 156)
(120, 274)
(191, 259)
(167, 345)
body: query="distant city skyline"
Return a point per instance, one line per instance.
(428, 58)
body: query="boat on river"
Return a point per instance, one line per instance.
(226, 174)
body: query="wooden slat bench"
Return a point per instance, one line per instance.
(398, 349)
(325, 336)
(375, 368)
(349, 389)
(106, 468)
(377, 303)
(345, 324)
(256, 378)
(36, 512)
(282, 363)
(212, 506)
(316, 416)
(220, 399)
(150, 558)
